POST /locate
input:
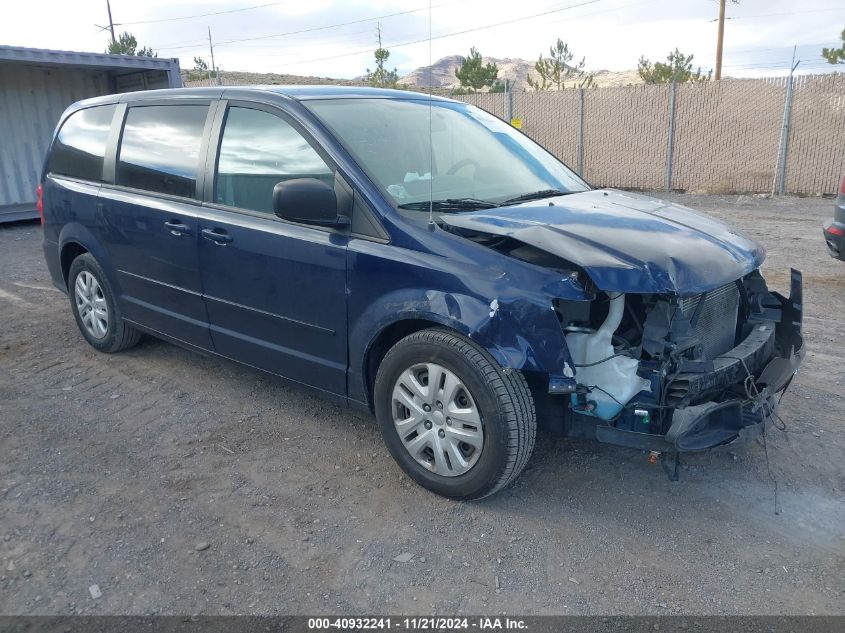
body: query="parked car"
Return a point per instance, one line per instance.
(417, 258)
(834, 229)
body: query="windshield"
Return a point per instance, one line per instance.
(477, 158)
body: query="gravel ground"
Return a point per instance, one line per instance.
(118, 471)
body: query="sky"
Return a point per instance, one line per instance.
(336, 38)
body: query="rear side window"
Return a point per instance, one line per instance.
(258, 151)
(81, 144)
(160, 148)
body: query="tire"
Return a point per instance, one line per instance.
(500, 398)
(107, 334)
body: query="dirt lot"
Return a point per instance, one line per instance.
(114, 468)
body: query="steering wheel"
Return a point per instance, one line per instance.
(466, 162)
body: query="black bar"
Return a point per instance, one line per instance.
(535, 624)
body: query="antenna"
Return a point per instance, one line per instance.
(431, 224)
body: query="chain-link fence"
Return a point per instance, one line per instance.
(743, 136)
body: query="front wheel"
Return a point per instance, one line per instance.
(454, 420)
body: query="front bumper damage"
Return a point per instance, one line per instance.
(739, 394)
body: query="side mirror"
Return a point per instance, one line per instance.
(307, 200)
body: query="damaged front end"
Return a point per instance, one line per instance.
(667, 373)
(677, 345)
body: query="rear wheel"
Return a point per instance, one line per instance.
(95, 309)
(454, 420)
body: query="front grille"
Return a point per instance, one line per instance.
(716, 325)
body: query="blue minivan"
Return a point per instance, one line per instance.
(420, 259)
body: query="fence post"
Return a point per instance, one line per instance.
(581, 132)
(670, 148)
(784, 137)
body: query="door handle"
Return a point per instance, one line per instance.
(218, 236)
(177, 228)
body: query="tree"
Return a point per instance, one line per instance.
(678, 69)
(555, 70)
(835, 55)
(382, 77)
(474, 74)
(126, 44)
(498, 86)
(200, 70)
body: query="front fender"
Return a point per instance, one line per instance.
(519, 333)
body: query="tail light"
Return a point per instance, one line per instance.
(40, 204)
(842, 187)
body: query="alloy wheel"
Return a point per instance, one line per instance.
(91, 304)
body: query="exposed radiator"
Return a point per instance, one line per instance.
(716, 325)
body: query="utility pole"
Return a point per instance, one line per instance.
(111, 24)
(379, 63)
(720, 39)
(213, 67)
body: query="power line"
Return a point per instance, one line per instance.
(608, 10)
(202, 15)
(355, 38)
(320, 28)
(772, 65)
(775, 48)
(188, 44)
(445, 35)
(776, 65)
(768, 15)
(201, 43)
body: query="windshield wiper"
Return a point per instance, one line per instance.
(450, 204)
(535, 195)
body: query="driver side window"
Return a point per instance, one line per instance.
(259, 150)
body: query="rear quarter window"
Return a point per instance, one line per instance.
(81, 144)
(160, 147)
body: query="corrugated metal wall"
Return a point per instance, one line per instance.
(32, 99)
(143, 80)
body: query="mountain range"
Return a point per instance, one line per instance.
(442, 73)
(515, 70)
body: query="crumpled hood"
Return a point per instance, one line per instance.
(625, 242)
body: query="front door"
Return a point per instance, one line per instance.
(275, 291)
